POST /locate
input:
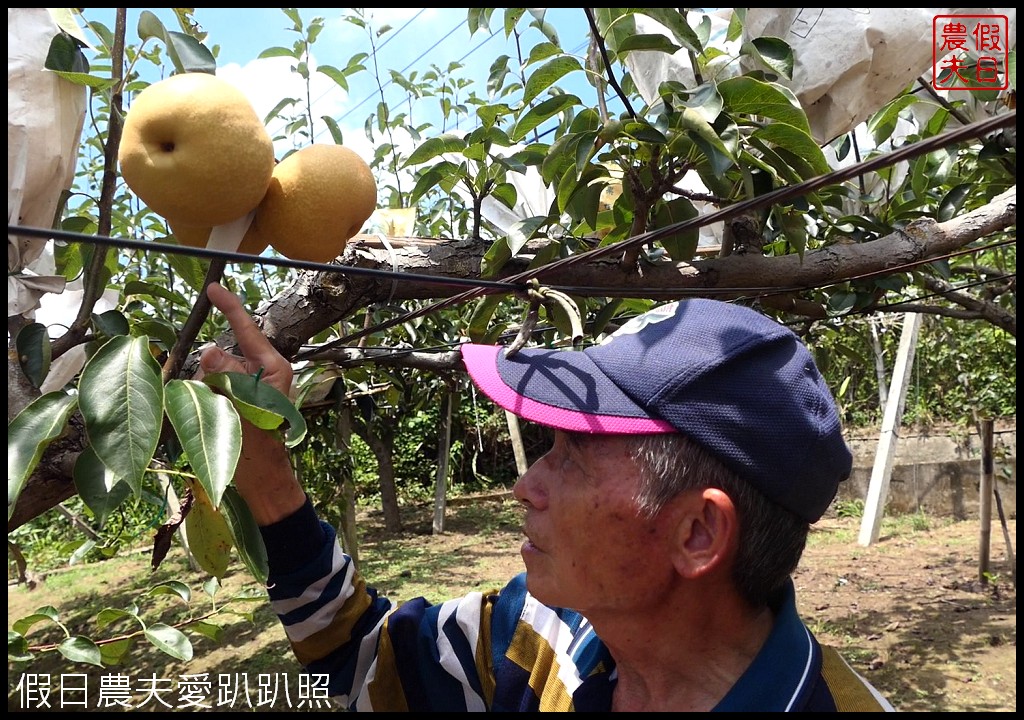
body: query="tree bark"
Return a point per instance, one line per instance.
(382, 445)
(316, 301)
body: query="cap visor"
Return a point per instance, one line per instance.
(557, 388)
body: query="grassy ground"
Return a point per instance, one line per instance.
(909, 613)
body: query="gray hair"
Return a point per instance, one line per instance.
(772, 539)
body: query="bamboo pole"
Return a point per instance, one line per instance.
(878, 489)
(443, 452)
(985, 502)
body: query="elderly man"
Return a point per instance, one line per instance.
(692, 450)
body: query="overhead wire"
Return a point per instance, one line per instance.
(776, 196)
(517, 283)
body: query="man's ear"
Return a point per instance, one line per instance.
(707, 533)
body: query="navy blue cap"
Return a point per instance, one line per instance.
(735, 381)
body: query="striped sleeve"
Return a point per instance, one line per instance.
(380, 656)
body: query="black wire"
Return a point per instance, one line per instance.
(517, 283)
(773, 197)
(541, 329)
(237, 257)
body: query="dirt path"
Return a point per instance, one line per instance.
(909, 612)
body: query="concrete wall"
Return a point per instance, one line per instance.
(938, 470)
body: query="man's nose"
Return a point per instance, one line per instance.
(529, 489)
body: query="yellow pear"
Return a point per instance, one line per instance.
(195, 151)
(318, 198)
(198, 236)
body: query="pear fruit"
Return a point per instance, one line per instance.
(195, 151)
(318, 198)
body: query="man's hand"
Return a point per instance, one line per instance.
(258, 353)
(264, 476)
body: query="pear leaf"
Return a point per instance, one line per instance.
(260, 404)
(122, 401)
(209, 536)
(209, 431)
(29, 434)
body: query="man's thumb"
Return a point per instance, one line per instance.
(213, 359)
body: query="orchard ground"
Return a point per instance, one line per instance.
(910, 612)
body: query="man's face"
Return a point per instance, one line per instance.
(587, 546)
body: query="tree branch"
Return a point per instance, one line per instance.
(315, 301)
(608, 63)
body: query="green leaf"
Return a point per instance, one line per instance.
(122, 402)
(435, 146)
(644, 132)
(138, 287)
(170, 640)
(707, 140)
(47, 613)
(643, 41)
(111, 323)
(186, 53)
(495, 258)
(262, 405)
(191, 269)
(794, 225)
(246, 533)
(541, 112)
(211, 587)
(276, 111)
(429, 179)
(80, 649)
(17, 647)
(33, 344)
(547, 75)
(512, 16)
(953, 201)
(207, 629)
(604, 316)
(276, 51)
(99, 488)
(109, 616)
(209, 537)
(209, 431)
(334, 128)
(749, 96)
(774, 52)
(65, 54)
(521, 231)
(735, 24)
(797, 142)
(29, 434)
(172, 587)
(542, 51)
(883, 122)
(680, 246)
(481, 317)
(158, 330)
(192, 55)
(841, 301)
(675, 21)
(92, 81)
(112, 653)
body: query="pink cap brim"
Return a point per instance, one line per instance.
(481, 363)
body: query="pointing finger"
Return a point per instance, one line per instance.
(255, 346)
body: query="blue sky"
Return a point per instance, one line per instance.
(419, 39)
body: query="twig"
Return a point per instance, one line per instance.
(608, 63)
(176, 357)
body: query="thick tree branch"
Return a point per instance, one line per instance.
(979, 309)
(316, 301)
